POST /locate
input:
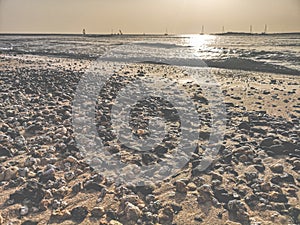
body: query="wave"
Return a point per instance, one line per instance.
(251, 65)
(159, 45)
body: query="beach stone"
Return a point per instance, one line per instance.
(284, 178)
(132, 212)
(296, 164)
(91, 185)
(29, 222)
(145, 188)
(267, 142)
(176, 207)
(278, 197)
(69, 176)
(10, 173)
(276, 150)
(79, 213)
(180, 187)
(238, 210)
(33, 191)
(97, 212)
(294, 212)
(260, 168)
(222, 195)
(24, 210)
(76, 188)
(277, 168)
(265, 187)
(244, 126)
(5, 152)
(34, 128)
(166, 215)
(2, 176)
(1, 220)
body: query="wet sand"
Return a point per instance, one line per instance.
(45, 180)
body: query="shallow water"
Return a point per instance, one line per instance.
(266, 53)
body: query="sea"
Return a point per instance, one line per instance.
(274, 53)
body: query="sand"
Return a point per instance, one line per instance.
(240, 187)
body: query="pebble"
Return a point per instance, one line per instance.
(244, 125)
(97, 212)
(10, 173)
(180, 186)
(79, 213)
(132, 212)
(166, 215)
(24, 210)
(29, 222)
(277, 168)
(69, 176)
(296, 164)
(1, 220)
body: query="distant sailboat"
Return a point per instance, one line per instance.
(83, 32)
(202, 30)
(223, 29)
(266, 28)
(250, 29)
(166, 34)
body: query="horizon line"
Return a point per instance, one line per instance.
(124, 34)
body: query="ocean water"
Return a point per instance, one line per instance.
(266, 53)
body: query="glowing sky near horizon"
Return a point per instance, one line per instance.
(148, 16)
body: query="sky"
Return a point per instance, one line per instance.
(148, 16)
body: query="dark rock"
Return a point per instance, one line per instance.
(277, 168)
(29, 222)
(294, 212)
(76, 188)
(148, 158)
(161, 149)
(112, 214)
(176, 207)
(34, 128)
(91, 185)
(198, 218)
(275, 150)
(33, 192)
(260, 168)
(238, 210)
(278, 197)
(5, 152)
(267, 142)
(79, 213)
(47, 175)
(204, 135)
(244, 126)
(222, 195)
(251, 176)
(97, 212)
(252, 200)
(285, 178)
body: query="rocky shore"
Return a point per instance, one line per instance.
(44, 178)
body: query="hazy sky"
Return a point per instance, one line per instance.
(148, 16)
